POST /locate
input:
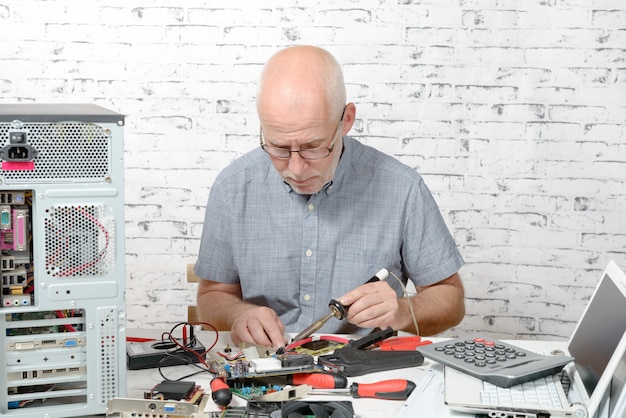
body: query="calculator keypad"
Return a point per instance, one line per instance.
(500, 363)
(480, 352)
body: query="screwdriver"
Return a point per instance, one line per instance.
(337, 310)
(396, 389)
(221, 392)
(321, 380)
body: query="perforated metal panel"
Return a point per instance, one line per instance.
(108, 373)
(68, 151)
(79, 240)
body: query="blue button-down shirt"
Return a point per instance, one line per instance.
(294, 253)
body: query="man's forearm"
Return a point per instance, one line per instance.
(436, 308)
(220, 308)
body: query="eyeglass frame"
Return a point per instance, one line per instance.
(265, 146)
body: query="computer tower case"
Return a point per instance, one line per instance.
(62, 258)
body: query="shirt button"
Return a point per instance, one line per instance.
(309, 253)
(307, 298)
(311, 207)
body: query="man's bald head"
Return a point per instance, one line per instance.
(302, 75)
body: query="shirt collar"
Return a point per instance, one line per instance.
(339, 173)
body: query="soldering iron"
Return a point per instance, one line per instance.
(337, 310)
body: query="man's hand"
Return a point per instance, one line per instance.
(372, 305)
(437, 307)
(258, 325)
(221, 305)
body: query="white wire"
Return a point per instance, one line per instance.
(408, 301)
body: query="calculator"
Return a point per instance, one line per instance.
(496, 362)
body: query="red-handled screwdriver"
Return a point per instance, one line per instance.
(221, 393)
(321, 380)
(397, 389)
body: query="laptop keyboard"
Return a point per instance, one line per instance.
(540, 392)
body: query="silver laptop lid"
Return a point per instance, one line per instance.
(598, 341)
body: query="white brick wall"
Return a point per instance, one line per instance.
(514, 112)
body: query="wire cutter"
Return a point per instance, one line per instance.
(401, 343)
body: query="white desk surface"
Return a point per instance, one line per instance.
(140, 381)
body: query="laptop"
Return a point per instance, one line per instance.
(598, 345)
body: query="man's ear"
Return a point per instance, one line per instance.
(349, 117)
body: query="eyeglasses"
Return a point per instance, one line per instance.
(306, 154)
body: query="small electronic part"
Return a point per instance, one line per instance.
(286, 394)
(166, 399)
(334, 342)
(250, 389)
(5, 217)
(256, 351)
(16, 249)
(176, 390)
(262, 365)
(20, 229)
(316, 345)
(258, 390)
(18, 149)
(150, 407)
(45, 342)
(295, 360)
(276, 365)
(15, 300)
(239, 412)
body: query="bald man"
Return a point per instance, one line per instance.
(312, 214)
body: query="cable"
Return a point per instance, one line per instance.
(408, 301)
(190, 341)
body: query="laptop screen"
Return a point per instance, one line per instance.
(599, 332)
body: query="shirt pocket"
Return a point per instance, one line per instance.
(353, 267)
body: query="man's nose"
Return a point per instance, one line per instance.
(297, 164)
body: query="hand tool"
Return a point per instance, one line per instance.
(401, 343)
(337, 310)
(355, 360)
(398, 389)
(221, 393)
(321, 380)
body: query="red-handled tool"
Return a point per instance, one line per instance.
(221, 393)
(401, 343)
(396, 389)
(321, 380)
